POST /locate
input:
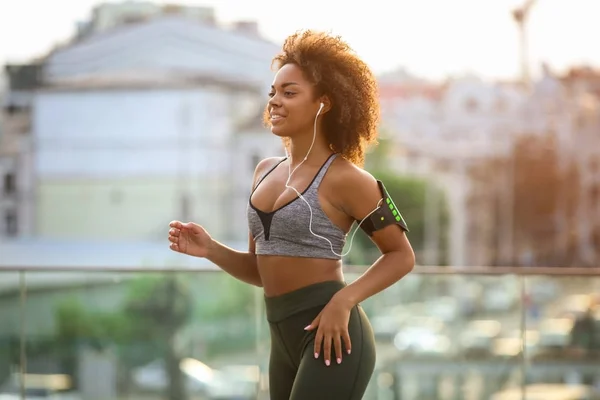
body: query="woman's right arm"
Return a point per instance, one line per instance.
(240, 264)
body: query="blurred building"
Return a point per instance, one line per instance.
(250, 146)
(107, 16)
(134, 126)
(460, 134)
(583, 90)
(441, 132)
(17, 197)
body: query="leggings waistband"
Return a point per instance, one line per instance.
(318, 294)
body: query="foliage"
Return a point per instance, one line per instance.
(236, 299)
(409, 194)
(546, 196)
(543, 186)
(142, 330)
(157, 317)
(158, 304)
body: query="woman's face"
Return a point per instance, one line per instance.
(293, 106)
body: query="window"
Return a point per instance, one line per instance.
(11, 109)
(9, 184)
(10, 223)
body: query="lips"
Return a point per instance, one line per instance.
(276, 118)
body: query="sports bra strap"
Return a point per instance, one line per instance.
(268, 172)
(323, 171)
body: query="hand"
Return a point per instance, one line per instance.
(332, 323)
(189, 238)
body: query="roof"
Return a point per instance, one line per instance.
(172, 44)
(24, 77)
(145, 79)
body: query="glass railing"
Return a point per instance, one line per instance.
(442, 334)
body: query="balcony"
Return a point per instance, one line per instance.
(181, 333)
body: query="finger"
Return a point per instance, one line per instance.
(175, 224)
(337, 347)
(318, 343)
(314, 324)
(174, 232)
(347, 342)
(192, 227)
(327, 349)
(173, 239)
(174, 247)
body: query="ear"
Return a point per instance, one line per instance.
(326, 104)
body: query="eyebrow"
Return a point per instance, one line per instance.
(284, 85)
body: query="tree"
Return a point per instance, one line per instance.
(145, 328)
(161, 306)
(409, 195)
(229, 315)
(546, 199)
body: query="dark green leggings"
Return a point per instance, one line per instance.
(294, 373)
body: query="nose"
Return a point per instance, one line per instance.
(274, 102)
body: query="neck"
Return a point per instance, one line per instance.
(300, 146)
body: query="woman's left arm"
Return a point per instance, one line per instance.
(360, 195)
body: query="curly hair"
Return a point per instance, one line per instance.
(336, 71)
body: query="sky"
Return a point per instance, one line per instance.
(430, 38)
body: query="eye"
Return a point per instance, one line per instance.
(286, 94)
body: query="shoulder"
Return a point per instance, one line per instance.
(265, 165)
(358, 194)
(347, 176)
(356, 189)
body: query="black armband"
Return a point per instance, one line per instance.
(386, 214)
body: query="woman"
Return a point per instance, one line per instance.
(323, 103)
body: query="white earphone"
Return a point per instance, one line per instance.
(290, 172)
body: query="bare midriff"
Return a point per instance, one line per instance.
(280, 274)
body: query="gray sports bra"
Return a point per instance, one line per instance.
(285, 231)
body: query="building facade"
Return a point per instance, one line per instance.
(128, 132)
(17, 189)
(461, 135)
(253, 142)
(107, 16)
